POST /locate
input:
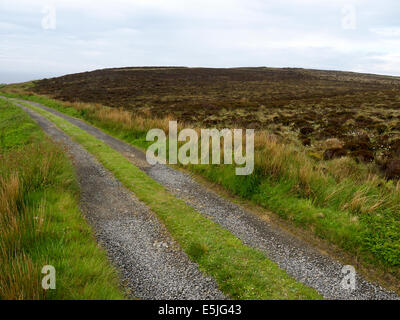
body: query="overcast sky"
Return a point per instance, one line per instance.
(45, 38)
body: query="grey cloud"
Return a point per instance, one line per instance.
(98, 34)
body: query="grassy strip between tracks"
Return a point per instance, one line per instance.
(40, 222)
(241, 272)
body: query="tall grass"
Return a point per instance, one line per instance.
(40, 223)
(23, 223)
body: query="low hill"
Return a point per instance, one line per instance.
(311, 106)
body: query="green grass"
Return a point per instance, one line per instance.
(241, 272)
(372, 237)
(40, 222)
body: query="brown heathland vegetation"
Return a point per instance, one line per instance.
(304, 106)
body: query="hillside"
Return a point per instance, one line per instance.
(310, 106)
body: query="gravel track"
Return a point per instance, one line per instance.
(299, 259)
(151, 263)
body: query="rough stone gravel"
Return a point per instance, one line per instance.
(150, 262)
(299, 259)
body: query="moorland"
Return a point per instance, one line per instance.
(327, 145)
